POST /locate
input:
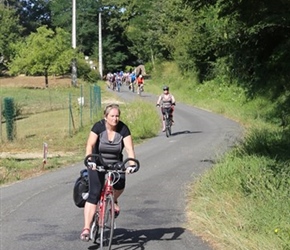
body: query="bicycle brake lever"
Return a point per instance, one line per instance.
(119, 166)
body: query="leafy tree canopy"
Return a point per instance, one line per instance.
(246, 41)
(9, 32)
(42, 53)
(32, 13)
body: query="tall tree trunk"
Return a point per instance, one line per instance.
(46, 79)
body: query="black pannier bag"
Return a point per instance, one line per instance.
(81, 189)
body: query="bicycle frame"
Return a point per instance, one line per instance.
(168, 121)
(103, 221)
(140, 89)
(133, 87)
(118, 85)
(107, 189)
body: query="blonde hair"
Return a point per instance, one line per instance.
(109, 107)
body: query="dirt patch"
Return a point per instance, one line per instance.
(26, 156)
(34, 81)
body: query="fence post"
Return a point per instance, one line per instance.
(45, 152)
(9, 117)
(0, 119)
(71, 118)
(97, 96)
(91, 104)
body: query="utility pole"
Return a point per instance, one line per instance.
(100, 46)
(74, 63)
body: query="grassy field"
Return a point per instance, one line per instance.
(45, 118)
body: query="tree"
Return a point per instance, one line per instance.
(32, 13)
(140, 23)
(86, 18)
(9, 33)
(43, 53)
(259, 48)
(113, 58)
(116, 52)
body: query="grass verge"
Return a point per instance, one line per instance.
(23, 157)
(243, 201)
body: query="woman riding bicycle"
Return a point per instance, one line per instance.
(140, 84)
(108, 137)
(166, 101)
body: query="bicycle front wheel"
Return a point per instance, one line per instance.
(107, 229)
(168, 127)
(95, 228)
(168, 131)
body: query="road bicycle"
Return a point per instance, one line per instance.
(140, 89)
(168, 121)
(118, 85)
(114, 85)
(103, 224)
(132, 87)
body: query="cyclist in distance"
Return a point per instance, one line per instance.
(140, 82)
(108, 137)
(166, 100)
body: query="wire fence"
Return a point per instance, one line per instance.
(48, 111)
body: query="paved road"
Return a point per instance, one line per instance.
(39, 214)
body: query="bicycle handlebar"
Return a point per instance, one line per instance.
(121, 166)
(172, 104)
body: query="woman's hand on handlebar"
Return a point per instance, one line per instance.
(131, 169)
(91, 165)
(133, 163)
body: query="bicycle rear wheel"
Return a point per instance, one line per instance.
(107, 229)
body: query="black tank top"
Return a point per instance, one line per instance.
(111, 151)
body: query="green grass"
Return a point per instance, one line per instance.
(40, 124)
(243, 201)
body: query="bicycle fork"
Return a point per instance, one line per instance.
(167, 120)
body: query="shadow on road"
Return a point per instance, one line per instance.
(185, 132)
(136, 239)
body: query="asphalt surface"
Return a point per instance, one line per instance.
(39, 213)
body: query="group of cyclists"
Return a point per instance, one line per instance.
(115, 80)
(133, 81)
(130, 79)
